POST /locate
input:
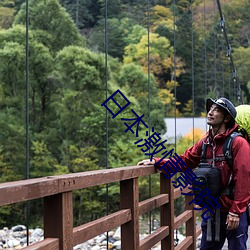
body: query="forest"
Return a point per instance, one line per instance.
(165, 56)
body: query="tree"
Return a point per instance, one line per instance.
(6, 17)
(84, 13)
(53, 25)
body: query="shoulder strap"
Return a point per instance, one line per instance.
(227, 148)
(203, 152)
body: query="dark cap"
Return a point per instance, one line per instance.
(223, 103)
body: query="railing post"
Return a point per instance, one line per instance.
(167, 212)
(58, 219)
(191, 223)
(129, 198)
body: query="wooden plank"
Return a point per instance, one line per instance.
(185, 244)
(58, 219)
(182, 218)
(98, 177)
(129, 196)
(46, 244)
(167, 212)
(191, 223)
(152, 203)
(154, 238)
(24, 190)
(90, 230)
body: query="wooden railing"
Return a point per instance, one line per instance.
(56, 192)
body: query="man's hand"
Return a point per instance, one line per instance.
(146, 162)
(232, 222)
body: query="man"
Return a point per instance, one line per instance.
(221, 115)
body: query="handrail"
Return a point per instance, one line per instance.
(58, 209)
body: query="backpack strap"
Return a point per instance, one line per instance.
(227, 151)
(203, 152)
(227, 148)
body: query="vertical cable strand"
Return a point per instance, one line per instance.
(106, 80)
(174, 75)
(192, 19)
(205, 51)
(27, 207)
(149, 125)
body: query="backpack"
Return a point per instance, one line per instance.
(243, 120)
(208, 177)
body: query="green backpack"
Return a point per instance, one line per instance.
(243, 120)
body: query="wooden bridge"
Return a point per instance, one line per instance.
(59, 233)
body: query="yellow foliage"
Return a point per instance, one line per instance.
(189, 139)
(6, 17)
(196, 133)
(166, 96)
(161, 15)
(203, 114)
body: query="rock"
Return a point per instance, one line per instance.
(80, 247)
(91, 242)
(111, 239)
(111, 233)
(38, 232)
(3, 233)
(18, 234)
(117, 235)
(95, 248)
(103, 243)
(100, 238)
(13, 243)
(117, 244)
(18, 247)
(18, 228)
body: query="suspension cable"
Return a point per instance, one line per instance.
(175, 88)
(174, 75)
(106, 82)
(192, 28)
(215, 52)
(229, 53)
(149, 125)
(27, 207)
(205, 52)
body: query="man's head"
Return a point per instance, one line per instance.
(220, 111)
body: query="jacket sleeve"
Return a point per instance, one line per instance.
(191, 157)
(241, 175)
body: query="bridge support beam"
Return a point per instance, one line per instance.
(58, 219)
(129, 198)
(191, 223)
(167, 212)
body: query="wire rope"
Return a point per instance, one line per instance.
(175, 87)
(215, 52)
(237, 87)
(205, 50)
(149, 124)
(192, 37)
(27, 207)
(174, 72)
(106, 82)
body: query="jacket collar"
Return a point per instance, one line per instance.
(220, 136)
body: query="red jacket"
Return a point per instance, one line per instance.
(241, 167)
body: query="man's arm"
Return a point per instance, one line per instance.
(191, 157)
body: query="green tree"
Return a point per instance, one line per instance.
(53, 25)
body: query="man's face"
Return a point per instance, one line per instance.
(215, 116)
